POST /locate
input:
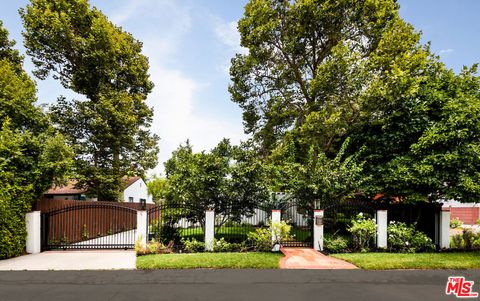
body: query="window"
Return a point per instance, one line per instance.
(130, 199)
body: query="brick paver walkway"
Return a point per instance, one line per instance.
(303, 258)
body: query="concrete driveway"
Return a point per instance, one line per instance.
(72, 260)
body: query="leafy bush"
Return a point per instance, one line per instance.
(466, 241)
(478, 221)
(403, 238)
(221, 245)
(335, 243)
(456, 242)
(363, 231)
(13, 230)
(193, 246)
(280, 231)
(152, 247)
(166, 232)
(261, 240)
(456, 223)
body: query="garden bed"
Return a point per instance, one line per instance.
(387, 261)
(251, 260)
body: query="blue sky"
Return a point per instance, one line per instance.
(190, 43)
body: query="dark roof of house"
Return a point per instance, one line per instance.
(130, 180)
(70, 189)
(67, 189)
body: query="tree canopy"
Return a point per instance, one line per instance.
(110, 129)
(319, 73)
(228, 179)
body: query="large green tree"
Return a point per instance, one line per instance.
(110, 129)
(32, 155)
(319, 72)
(228, 179)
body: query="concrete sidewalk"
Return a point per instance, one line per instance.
(72, 260)
(303, 258)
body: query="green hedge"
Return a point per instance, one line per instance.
(13, 231)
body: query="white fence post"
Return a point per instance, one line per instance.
(445, 228)
(34, 244)
(318, 230)
(209, 229)
(276, 218)
(382, 224)
(141, 233)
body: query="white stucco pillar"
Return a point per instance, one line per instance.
(318, 230)
(142, 232)
(34, 243)
(382, 224)
(445, 228)
(209, 229)
(276, 218)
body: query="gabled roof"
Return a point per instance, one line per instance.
(130, 180)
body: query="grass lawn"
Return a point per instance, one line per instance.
(210, 260)
(387, 261)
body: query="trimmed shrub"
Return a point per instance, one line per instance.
(13, 231)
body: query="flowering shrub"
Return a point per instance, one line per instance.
(261, 240)
(280, 232)
(363, 231)
(403, 238)
(455, 223)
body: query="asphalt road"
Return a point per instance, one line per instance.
(230, 285)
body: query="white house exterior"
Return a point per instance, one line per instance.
(136, 190)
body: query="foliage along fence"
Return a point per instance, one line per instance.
(92, 225)
(423, 215)
(338, 215)
(234, 227)
(172, 222)
(301, 220)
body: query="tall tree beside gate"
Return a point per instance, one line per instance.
(228, 179)
(110, 129)
(32, 155)
(318, 72)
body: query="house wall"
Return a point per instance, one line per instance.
(138, 190)
(468, 213)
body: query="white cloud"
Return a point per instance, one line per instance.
(175, 97)
(446, 51)
(227, 33)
